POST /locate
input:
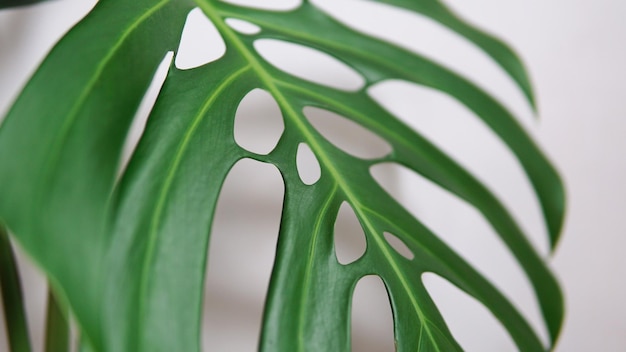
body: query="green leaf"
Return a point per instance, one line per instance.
(57, 327)
(81, 125)
(138, 244)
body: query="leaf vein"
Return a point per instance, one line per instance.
(173, 169)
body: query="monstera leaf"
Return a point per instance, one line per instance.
(127, 254)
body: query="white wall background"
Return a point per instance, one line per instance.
(574, 51)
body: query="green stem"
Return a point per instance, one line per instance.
(57, 328)
(14, 314)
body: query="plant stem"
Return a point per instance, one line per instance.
(57, 329)
(14, 314)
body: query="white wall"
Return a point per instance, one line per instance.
(574, 51)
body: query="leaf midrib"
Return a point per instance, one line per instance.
(269, 82)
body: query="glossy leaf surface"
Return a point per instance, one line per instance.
(138, 244)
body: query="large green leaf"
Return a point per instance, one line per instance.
(128, 256)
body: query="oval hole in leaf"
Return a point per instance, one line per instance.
(399, 246)
(458, 132)
(350, 242)
(372, 321)
(308, 167)
(276, 5)
(241, 256)
(243, 27)
(258, 122)
(346, 134)
(309, 64)
(145, 107)
(200, 42)
(467, 232)
(434, 41)
(471, 324)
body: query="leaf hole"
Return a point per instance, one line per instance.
(200, 42)
(372, 320)
(308, 166)
(243, 27)
(350, 241)
(241, 256)
(138, 125)
(458, 132)
(258, 122)
(347, 135)
(471, 323)
(466, 231)
(274, 5)
(309, 64)
(399, 246)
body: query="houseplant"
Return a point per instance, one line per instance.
(138, 243)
